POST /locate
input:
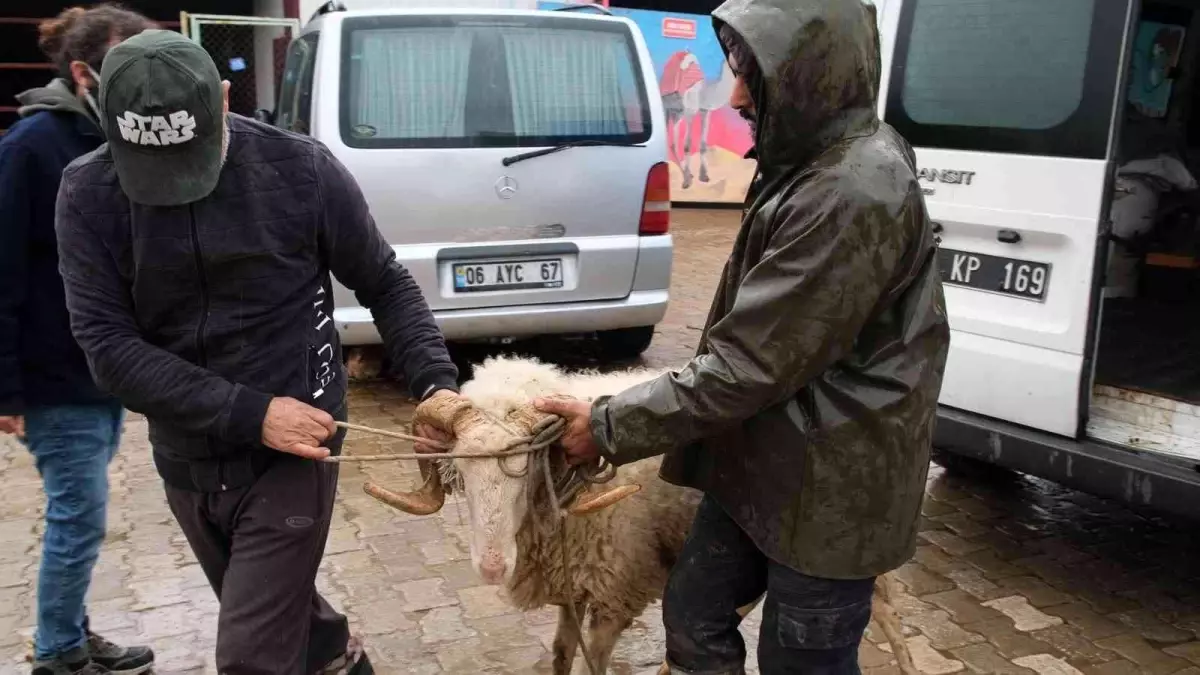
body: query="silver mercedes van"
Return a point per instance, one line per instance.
(515, 160)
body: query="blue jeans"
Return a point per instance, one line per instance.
(810, 626)
(72, 446)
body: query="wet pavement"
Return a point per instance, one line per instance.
(1012, 575)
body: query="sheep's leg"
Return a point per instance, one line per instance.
(602, 638)
(566, 639)
(889, 621)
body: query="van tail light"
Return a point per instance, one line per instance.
(656, 205)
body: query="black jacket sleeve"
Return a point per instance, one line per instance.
(361, 259)
(146, 378)
(16, 168)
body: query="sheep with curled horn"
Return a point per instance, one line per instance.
(622, 539)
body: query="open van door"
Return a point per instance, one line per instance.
(1012, 107)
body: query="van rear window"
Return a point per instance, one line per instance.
(1015, 76)
(487, 81)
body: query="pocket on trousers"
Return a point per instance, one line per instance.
(801, 628)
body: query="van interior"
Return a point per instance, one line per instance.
(1147, 374)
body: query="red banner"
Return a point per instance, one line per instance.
(673, 27)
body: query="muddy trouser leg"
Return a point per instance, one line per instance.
(718, 571)
(260, 547)
(812, 625)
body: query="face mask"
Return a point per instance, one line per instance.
(90, 92)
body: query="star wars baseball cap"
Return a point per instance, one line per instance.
(161, 100)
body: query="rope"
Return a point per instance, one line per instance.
(558, 521)
(544, 434)
(519, 446)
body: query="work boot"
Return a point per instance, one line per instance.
(74, 662)
(119, 660)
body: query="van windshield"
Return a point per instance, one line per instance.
(489, 81)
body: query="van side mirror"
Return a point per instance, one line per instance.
(264, 115)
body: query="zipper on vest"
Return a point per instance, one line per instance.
(200, 355)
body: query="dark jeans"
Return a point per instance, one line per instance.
(810, 625)
(72, 446)
(260, 547)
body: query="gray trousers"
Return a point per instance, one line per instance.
(260, 547)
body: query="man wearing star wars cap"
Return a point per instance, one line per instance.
(164, 117)
(196, 249)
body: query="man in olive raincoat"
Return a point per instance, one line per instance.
(807, 414)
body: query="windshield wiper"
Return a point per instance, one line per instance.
(509, 161)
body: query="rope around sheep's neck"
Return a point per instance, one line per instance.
(544, 434)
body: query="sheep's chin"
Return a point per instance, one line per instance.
(510, 557)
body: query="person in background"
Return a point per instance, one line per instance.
(47, 396)
(196, 249)
(806, 417)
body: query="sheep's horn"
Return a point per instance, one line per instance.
(426, 500)
(451, 414)
(526, 418)
(590, 502)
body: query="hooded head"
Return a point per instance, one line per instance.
(76, 42)
(814, 76)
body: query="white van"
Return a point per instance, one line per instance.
(515, 160)
(1020, 114)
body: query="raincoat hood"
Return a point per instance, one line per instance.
(58, 96)
(820, 69)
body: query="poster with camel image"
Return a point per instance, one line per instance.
(706, 139)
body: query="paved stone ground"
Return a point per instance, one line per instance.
(1011, 576)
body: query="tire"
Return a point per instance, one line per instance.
(625, 343)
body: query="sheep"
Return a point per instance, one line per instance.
(619, 556)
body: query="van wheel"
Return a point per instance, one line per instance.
(625, 343)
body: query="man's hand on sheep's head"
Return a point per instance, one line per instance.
(576, 441)
(439, 438)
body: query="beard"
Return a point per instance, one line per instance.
(751, 119)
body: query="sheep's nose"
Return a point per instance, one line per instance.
(492, 567)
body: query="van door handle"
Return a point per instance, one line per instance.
(1008, 237)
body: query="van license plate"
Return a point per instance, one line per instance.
(1008, 276)
(508, 275)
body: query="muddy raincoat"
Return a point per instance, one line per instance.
(808, 410)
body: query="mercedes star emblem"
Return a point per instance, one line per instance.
(506, 187)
